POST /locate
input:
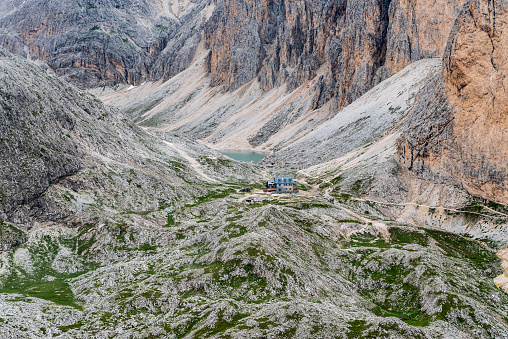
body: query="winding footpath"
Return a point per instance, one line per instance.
(192, 161)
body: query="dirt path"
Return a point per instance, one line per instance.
(502, 280)
(326, 194)
(434, 207)
(494, 211)
(193, 162)
(383, 228)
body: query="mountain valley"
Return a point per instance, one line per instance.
(120, 218)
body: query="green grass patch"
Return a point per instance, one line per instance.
(42, 281)
(408, 236)
(221, 326)
(306, 205)
(170, 220)
(356, 328)
(457, 246)
(366, 240)
(11, 234)
(57, 291)
(336, 180)
(75, 326)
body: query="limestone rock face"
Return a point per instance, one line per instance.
(418, 29)
(103, 41)
(460, 130)
(359, 43)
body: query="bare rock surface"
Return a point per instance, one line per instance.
(94, 43)
(355, 44)
(458, 131)
(358, 43)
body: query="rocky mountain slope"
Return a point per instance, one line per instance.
(93, 43)
(443, 156)
(458, 133)
(371, 117)
(291, 67)
(409, 117)
(111, 231)
(56, 140)
(242, 74)
(355, 44)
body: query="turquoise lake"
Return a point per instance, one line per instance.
(245, 156)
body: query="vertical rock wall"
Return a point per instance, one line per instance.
(96, 42)
(353, 45)
(459, 130)
(356, 43)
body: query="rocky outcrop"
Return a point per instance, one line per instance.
(458, 132)
(10, 237)
(359, 43)
(418, 29)
(93, 43)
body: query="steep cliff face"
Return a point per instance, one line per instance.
(476, 86)
(287, 67)
(418, 29)
(104, 41)
(458, 132)
(356, 43)
(359, 43)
